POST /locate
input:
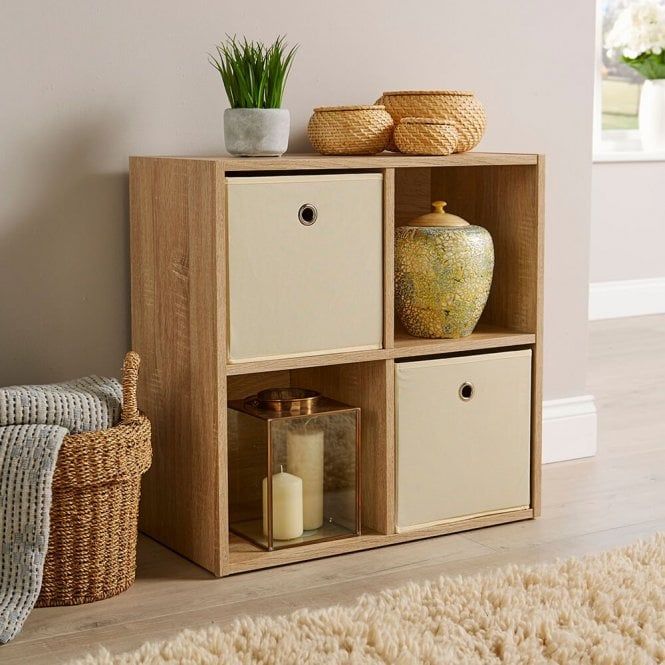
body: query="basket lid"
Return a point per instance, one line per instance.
(459, 93)
(358, 107)
(439, 217)
(428, 121)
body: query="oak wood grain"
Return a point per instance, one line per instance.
(244, 557)
(174, 220)
(486, 336)
(294, 162)
(538, 275)
(275, 364)
(413, 194)
(388, 258)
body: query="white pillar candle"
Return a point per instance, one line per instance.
(304, 458)
(287, 511)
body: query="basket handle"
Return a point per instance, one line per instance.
(130, 375)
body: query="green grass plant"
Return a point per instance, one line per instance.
(254, 74)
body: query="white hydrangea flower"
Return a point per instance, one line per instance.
(639, 28)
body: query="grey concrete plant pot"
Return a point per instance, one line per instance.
(256, 132)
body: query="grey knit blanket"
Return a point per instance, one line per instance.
(33, 423)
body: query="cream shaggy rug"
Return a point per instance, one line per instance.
(606, 609)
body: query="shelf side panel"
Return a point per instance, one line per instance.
(388, 258)
(174, 220)
(537, 358)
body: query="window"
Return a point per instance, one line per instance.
(620, 84)
(617, 95)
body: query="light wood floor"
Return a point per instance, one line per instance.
(588, 505)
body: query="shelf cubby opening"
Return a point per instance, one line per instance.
(367, 385)
(504, 200)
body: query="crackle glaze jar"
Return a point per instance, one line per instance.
(443, 274)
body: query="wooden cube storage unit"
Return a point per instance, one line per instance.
(181, 327)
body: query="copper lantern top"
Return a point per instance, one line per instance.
(298, 400)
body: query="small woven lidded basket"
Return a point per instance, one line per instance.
(458, 106)
(426, 136)
(94, 511)
(350, 130)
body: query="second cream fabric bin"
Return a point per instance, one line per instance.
(305, 267)
(463, 437)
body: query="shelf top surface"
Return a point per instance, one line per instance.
(383, 160)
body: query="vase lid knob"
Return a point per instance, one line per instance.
(439, 217)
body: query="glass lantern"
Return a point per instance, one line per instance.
(294, 468)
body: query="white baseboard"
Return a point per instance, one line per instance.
(569, 428)
(633, 297)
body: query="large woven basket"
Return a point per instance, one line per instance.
(94, 511)
(349, 130)
(458, 106)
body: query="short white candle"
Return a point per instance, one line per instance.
(287, 509)
(304, 458)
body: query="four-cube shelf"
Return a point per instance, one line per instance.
(189, 309)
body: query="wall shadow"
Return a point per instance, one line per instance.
(64, 263)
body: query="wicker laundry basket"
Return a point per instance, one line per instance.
(94, 512)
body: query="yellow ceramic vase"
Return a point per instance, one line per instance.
(443, 274)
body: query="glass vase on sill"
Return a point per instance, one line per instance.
(652, 115)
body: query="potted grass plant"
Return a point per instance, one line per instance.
(254, 76)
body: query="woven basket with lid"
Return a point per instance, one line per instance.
(350, 130)
(426, 136)
(458, 106)
(94, 511)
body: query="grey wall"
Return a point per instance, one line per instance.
(627, 221)
(85, 84)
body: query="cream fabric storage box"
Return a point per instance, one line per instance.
(305, 265)
(463, 437)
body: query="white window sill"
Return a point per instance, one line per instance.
(623, 146)
(628, 156)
